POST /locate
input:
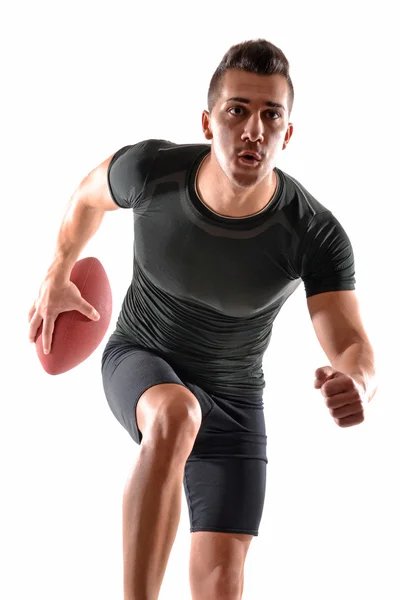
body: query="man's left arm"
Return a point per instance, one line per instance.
(350, 382)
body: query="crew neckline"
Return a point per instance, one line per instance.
(241, 222)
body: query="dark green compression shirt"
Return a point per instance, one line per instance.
(206, 288)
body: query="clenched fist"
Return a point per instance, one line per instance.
(344, 397)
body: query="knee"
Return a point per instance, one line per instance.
(169, 417)
(223, 583)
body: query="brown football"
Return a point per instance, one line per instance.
(76, 337)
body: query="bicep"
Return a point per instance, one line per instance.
(120, 180)
(94, 189)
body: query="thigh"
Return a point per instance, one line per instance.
(225, 495)
(128, 370)
(225, 475)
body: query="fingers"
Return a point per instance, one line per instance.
(353, 408)
(338, 385)
(35, 320)
(340, 400)
(324, 372)
(47, 331)
(47, 335)
(351, 420)
(31, 312)
(34, 326)
(89, 311)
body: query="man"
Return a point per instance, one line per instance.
(222, 239)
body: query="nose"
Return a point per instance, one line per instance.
(253, 130)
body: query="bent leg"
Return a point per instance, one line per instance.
(169, 418)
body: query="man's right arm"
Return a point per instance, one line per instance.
(81, 221)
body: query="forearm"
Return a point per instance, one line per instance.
(79, 225)
(358, 362)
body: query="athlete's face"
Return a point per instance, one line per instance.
(251, 114)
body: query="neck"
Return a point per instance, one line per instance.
(219, 195)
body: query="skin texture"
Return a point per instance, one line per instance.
(226, 186)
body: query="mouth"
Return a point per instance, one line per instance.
(249, 159)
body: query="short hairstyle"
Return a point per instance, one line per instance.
(255, 56)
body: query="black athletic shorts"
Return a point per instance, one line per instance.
(225, 474)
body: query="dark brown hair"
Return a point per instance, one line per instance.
(255, 56)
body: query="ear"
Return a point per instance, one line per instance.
(288, 135)
(206, 124)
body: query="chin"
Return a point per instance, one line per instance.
(244, 179)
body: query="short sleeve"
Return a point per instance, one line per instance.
(128, 171)
(326, 259)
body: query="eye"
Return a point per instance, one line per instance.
(274, 112)
(234, 108)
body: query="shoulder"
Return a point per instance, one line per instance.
(129, 168)
(163, 155)
(307, 215)
(139, 151)
(135, 167)
(298, 196)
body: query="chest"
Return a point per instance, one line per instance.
(235, 272)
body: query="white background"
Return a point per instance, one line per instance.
(82, 80)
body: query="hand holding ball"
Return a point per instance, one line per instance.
(64, 320)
